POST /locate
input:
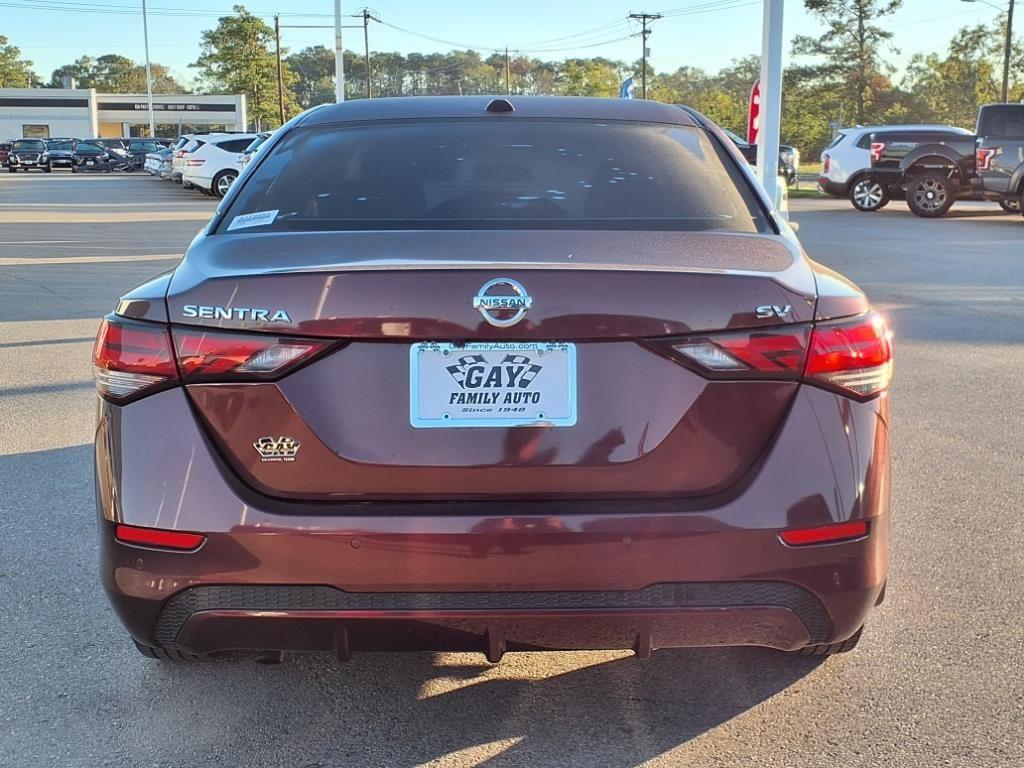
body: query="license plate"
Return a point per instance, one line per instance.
(90, 162)
(492, 384)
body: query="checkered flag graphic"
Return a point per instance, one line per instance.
(532, 369)
(458, 371)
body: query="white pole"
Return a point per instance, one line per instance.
(771, 98)
(149, 73)
(339, 55)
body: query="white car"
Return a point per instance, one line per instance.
(845, 161)
(213, 165)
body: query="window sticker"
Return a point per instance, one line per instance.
(258, 219)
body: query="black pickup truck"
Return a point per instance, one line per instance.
(937, 168)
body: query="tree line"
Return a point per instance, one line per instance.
(849, 80)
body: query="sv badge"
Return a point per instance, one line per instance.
(766, 311)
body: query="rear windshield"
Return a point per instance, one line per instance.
(1002, 121)
(495, 174)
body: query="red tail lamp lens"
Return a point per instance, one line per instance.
(825, 534)
(984, 157)
(205, 356)
(157, 537)
(129, 358)
(854, 356)
(877, 148)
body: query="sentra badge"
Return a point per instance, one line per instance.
(499, 307)
(277, 448)
(256, 314)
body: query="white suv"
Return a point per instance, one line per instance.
(845, 161)
(213, 165)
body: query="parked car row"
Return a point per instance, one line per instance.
(123, 154)
(209, 162)
(930, 166)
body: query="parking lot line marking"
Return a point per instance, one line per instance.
(31, 262)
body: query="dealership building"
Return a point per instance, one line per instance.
(84, 114)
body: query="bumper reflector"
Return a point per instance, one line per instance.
(826, 534)
(155, 537)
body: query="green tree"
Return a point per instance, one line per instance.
(313, 68)
(590, 77)
(113, 73)
(850, 51)
(15, 72)
(237, 57)
(949, 89)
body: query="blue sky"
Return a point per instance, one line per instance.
(701, 33)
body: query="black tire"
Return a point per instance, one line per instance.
(1010, 206)
(11, 169)
(831, 649)
(222, 182)
(47, 169)
(930, 195)
(867, 195)
(74, 169)
(166, 655)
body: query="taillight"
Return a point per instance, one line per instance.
(194, 162)
(776, 353)
(853, 356)
(984, 156)
(826, 163)
(877, 148)
(208, 355)
(132, 358)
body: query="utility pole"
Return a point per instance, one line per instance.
(280, 76)
(643, 18)
(366, 43)
(1007, 52)
(149, 72)
(339, 56)
(508, 72)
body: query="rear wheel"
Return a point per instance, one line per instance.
(47, 169)
(1010, 206)
(11, 169)
(222, 182)
(868, 195)
(930, 195)
(831, 649)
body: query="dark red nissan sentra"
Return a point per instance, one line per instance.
(494, 374)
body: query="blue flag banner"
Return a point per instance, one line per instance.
(626, 89)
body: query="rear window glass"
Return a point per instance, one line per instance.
(839, 137)
(235, 145)
(508, 173)
(1003, 121)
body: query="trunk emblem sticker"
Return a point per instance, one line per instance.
(277, 448)
(502, 309)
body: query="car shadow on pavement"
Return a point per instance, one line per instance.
(591, 709)
(378, 709)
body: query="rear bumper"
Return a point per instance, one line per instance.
(493, 576)
(829, 187)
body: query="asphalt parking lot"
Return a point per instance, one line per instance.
(936, 681)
